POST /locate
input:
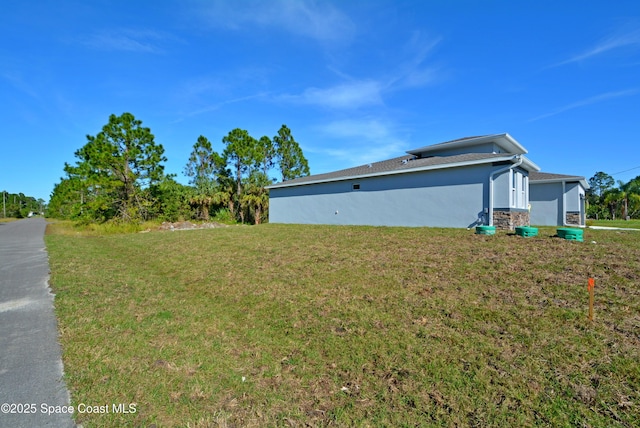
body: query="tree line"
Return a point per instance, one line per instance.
(18, 205)
(608, 199)
(119, 175)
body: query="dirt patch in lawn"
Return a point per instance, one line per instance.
(187, 225)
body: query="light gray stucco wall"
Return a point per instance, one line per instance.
(546, 204)
(480, 148)
(454, 197)
(501, 189)
(573, 192)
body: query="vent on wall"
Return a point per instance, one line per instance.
(355, 187)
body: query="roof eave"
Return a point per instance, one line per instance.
(504, 140)
(511, 158)
(580, 180)
(530, 166)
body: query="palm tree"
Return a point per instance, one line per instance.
(224, 194)
(201, 202)
(256, 198)
(630, 195)
(612, 199)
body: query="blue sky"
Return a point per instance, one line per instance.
(356, 80)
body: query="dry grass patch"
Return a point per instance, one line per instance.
(282, 325)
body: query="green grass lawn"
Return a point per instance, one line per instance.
(283, 325)
(631, 224)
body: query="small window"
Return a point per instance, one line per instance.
(514, 183)
(356, 186)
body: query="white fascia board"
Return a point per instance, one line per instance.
(529, 166)
(582, 181)
(504, 140)
(519, 148)
(511, 158)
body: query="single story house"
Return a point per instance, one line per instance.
(460, 183)
(557, 199)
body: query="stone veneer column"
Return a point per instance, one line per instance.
(507, 219)
(572, 218)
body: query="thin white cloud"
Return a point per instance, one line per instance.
(221, 104)
(419, 78)
(16, 80)
(366, 140)
(203, 85)
(412, 72)
(408, 72)
(586, 102)
(129, 40)
(223, 82)
(317, 20)
(370, 129)
(206, 93)
(352, 95)
(628, 38)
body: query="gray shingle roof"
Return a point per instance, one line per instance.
(400, 164)
(539, 176)
(550, 177)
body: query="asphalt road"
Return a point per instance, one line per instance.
(31, 383)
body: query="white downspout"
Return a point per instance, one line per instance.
(493, 174)
(564, 204)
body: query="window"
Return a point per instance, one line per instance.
(356, 187)
(519, 189)
(514, 182)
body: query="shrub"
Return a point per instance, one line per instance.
(223, 215)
